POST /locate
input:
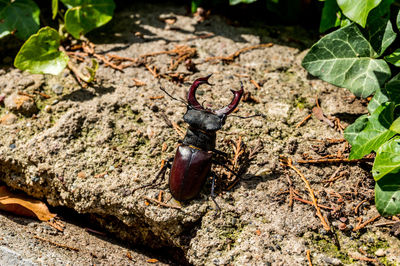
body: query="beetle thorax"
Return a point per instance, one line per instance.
(204, 120)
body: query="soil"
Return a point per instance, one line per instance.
(88, 150)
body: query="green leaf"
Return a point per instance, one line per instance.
(398, 20)
(380, 97)
(380, 33)
(367, 137)
(346, 59)
(386, 172)
(387, 159)
(381, 10)
(330, 16)
(351, 132)
(396, 126)
(54, 8)
(345, 22)
(394, 58)
(86, 15)
(235, 2)
(358, 10)
(391, 92)
(20, 17)
(387, 195)
(40, 53)
(393, 89)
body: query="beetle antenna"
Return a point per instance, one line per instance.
(172, 97)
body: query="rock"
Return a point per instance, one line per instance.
(47, 109)
(8, 119)
(57, 89)
(10, 257)
(380, 252)
(24, 82)
(21, 104)
(332, 261)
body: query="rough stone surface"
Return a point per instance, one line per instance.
(98, 144)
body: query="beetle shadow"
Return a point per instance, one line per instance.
(84, 94)
(251, 181)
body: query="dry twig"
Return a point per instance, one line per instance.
(232, 57)
(363, 258)
(56, 244)
(138, 82)
(308, 252)
(303, 121)
(255, 84)
(361, 226)
(311, 203)
(358, 206)
(288, 162)
(108, 63)
(161, 203)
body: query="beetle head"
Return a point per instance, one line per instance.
(204, 118)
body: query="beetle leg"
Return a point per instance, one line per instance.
(220, 152)
(160, 173)
(218, 209)
(226, 167)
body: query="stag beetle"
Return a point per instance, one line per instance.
(193, 158)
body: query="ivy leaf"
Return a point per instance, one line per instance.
(387, 159)
(380, 97)
(365, 137)
(54, 8)
(380, 33)
(329, 17)
(396, 126)
(394, 58)
(40, 53)
(346, 59)
(86, 15)
(398, 20)
(381, 10)
(20, 17)
(387, 195)
(358, 10)
(391, 92)
(393, 89)
(352, 131)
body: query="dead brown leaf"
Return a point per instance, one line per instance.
(23, 205)
(319, 114)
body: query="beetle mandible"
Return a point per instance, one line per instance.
(193, 158)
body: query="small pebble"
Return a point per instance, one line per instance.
(57, 89)
(342, 226)
(8, 119)
(380, 252)
(332, 261)
(54, 102)
(154, 108)
(12, 146)
(47, 109)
